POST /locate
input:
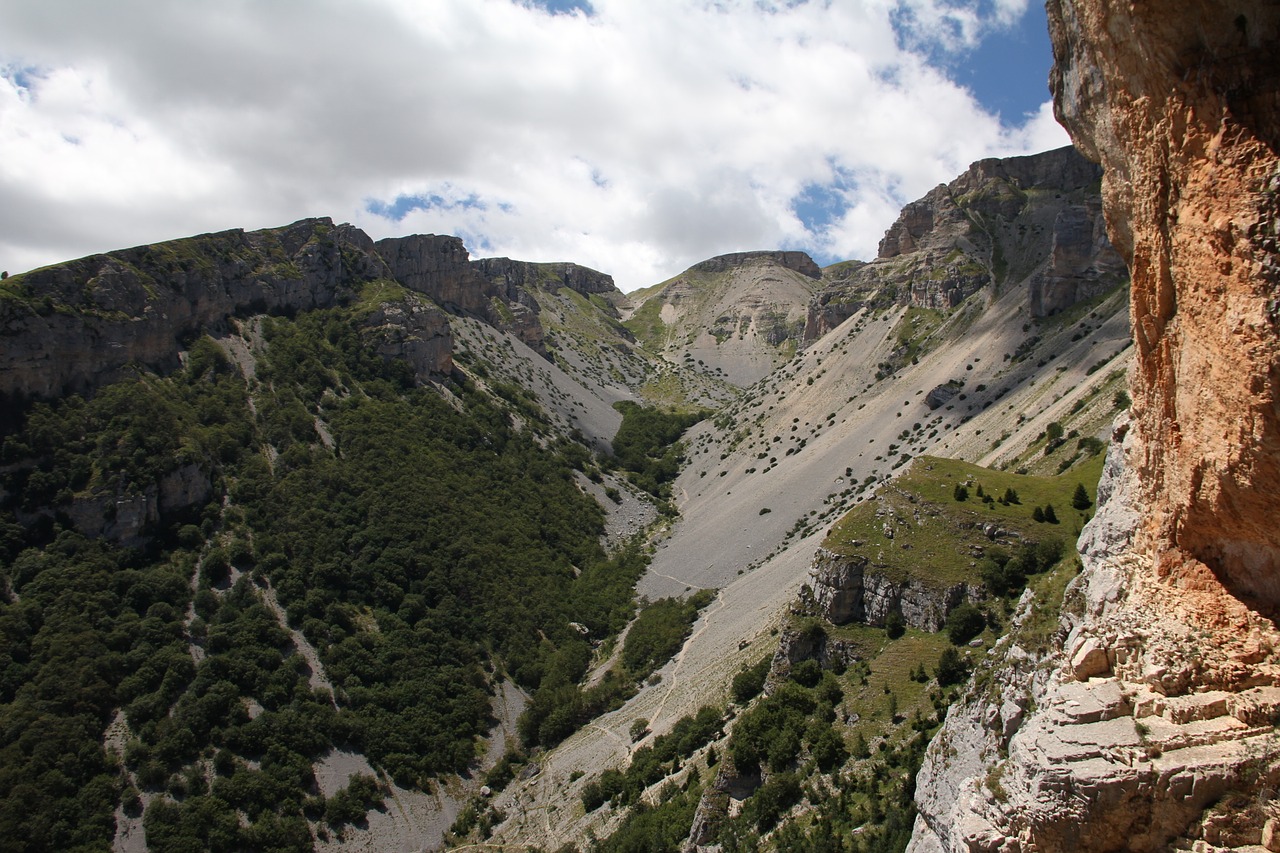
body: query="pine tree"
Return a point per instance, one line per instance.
(1049, 515)
(1080, 500)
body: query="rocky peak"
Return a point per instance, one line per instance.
(995, 224)
(524, 274)
(795, 261)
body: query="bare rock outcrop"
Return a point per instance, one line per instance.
(850, 589)
(996, 223)
(1082, 263)
(523, 274)
(73, 326)
(1183, 111)
(412, 330)
(795, 261)
(1155, 701)
(509, 289)
(438, 267)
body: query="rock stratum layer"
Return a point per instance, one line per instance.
(74, 326)
(1035, 220)
(1148, 722)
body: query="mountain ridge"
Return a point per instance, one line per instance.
(543, 349)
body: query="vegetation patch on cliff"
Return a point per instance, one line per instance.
(936, 521)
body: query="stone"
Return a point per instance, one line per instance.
(1271, 834)
(846, 589)
(1089, 659)
(940, 395)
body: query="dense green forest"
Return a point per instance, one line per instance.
(422, 544)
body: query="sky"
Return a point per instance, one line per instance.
(636, 137)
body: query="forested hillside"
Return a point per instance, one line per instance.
(423, 543)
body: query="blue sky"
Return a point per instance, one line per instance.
(1009, 70)
(634, 138)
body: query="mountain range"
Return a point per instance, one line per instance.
(311, 541)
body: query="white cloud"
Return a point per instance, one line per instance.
(637, 140)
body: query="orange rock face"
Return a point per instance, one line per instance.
(1181, 105)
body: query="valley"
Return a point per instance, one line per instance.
(297, 499)
(312, 542)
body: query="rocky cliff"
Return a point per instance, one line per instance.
(1148, 721)
(73, 326)
(1034, 222)
(850, 589)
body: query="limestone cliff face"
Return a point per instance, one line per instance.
(526, 275)
(794, 261)
(438, 267)
(412, 330)
(510, 288)
(1148, 718)
(850, 589)
(996, 223)
(72, 326)
(1183, 111)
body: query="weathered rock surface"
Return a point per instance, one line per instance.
(1155, 702)
(74, 326)
(509, 287)
(412, 330)
(795, 261)
(126, 518)
(997, 222)
(1183, 111)
(849, 589)
(737, 316)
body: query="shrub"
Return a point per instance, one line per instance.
(772, 799)
(894, 625)
(952, 669)
(748, 683)
(964, 623)
(806, 673)
(639, 729)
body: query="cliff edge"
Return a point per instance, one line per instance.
(1148, 723)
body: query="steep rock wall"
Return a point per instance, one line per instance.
(995, 223)
(72, 326)
(1183, 112)
(1153, 706)
(849, 589)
